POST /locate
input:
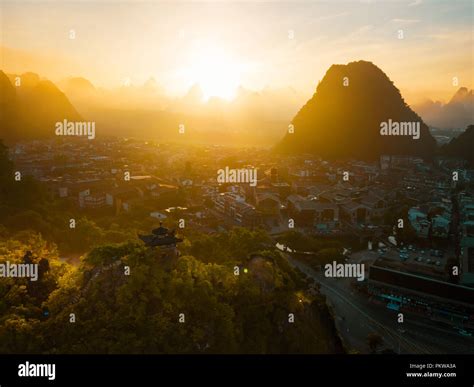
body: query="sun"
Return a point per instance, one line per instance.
(216, 72)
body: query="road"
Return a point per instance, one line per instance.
(356, 317)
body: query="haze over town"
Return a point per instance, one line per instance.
(237, 177)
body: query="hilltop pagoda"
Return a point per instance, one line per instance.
(162, 238)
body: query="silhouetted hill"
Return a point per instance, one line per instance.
(461, 146)
(31, 109)
(458, 113)
(7, 107)
(75, 85)
(344, 121)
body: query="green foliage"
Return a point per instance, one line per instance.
(139, 313)
(6, 166)
(296, 241)
(324, 250)
(234, 245)
(106, 255)
(27, 205)
(21, 300)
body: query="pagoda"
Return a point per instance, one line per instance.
(162, 238)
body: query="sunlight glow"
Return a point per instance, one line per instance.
(216, 72)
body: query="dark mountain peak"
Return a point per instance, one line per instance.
(31, 110)
(5, 85)
(7, 106)
(47, 86)
(356, 66)
(461, 95)
(461, 147)
(3, 76)
(344, 117)
(27, 79)
(77, 84)
(358, 74)
(30, 77)
(469, 131)
(360, 67)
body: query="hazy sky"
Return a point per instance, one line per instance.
(254, 44)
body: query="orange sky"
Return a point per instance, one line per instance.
(222, 45)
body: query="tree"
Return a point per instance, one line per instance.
(6, 166)
(85, 235)
(140, 313)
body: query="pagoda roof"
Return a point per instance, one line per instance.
(160, 230)
(154, 240)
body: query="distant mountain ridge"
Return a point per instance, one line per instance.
(343, 118)
(30, 111)
(31, 108)
(458, 113)
(75, 85)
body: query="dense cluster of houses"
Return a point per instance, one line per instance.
(466, 211)
(324, 197)
(303, 192)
